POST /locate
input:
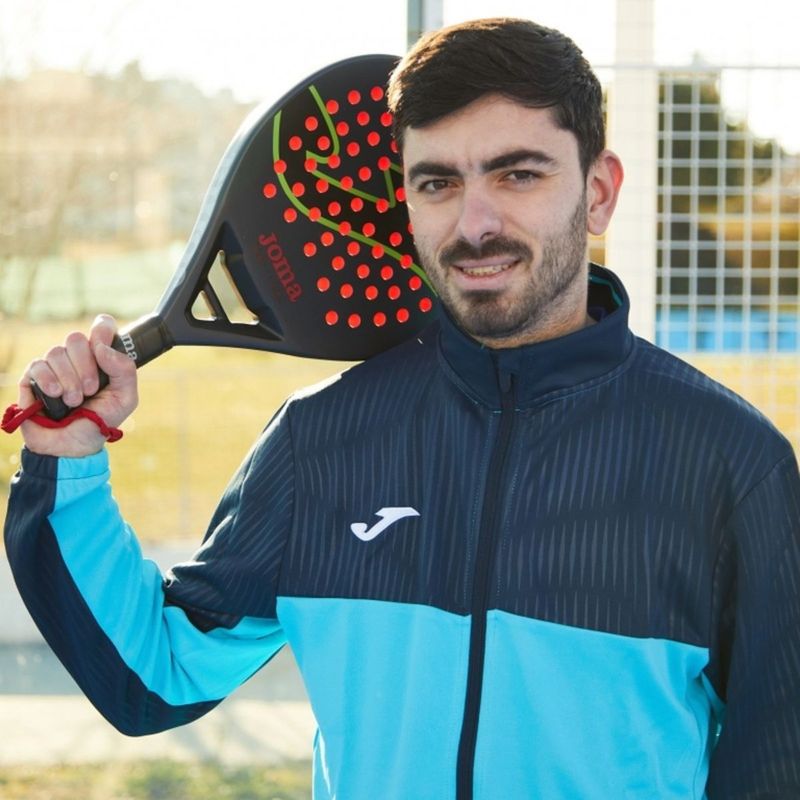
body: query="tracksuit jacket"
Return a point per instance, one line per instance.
(565, 571)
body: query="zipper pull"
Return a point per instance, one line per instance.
(506, 381)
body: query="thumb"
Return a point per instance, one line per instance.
(118, 366)
(121, 397)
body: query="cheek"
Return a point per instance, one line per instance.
(427, 233)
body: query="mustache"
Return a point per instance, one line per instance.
(462, 250)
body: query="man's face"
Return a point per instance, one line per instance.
(497, 200)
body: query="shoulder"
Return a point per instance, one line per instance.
(375, 392)
(683, 394)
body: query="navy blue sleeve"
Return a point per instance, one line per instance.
(757, 669)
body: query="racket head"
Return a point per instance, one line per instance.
(306, 213)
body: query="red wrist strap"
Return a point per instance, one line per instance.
(14, 417)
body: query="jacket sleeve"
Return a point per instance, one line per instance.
(151, 651)
(758, 645)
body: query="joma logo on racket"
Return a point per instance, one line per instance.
(130, 347)
(281, 266)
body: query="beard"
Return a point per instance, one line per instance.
(495, 316)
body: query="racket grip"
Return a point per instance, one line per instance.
(142, 342)
(55, 407)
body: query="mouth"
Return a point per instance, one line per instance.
(485, 269)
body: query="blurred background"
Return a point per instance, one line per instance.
(113, 117)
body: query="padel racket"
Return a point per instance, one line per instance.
(305, 218)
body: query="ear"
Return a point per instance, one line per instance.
(602, 189)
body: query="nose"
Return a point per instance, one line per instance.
(479, 218)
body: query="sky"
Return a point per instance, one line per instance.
(259, 48)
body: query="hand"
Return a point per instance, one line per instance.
(69, 371)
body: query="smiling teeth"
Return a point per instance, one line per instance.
(480, 272)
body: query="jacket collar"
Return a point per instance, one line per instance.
(549, 366)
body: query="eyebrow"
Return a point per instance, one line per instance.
(503, 161)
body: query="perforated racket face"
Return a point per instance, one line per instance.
(312, 222)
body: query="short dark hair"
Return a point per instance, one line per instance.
(535, 66)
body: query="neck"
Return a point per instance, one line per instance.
(564, 317)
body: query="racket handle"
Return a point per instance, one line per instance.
(141, 342)
(55, 407)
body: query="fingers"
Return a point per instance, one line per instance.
(70, 370)
(104, 328)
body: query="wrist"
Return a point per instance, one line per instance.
(82, 432)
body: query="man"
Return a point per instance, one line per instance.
(587, 560)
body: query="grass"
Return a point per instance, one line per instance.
(156, 780)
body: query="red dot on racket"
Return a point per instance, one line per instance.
(354, 97)
(357, 204)
(387, 272)
(395, 239)
(310, 164)
(371, 293)
(331, 318)
(394, 292)
(368, 229)
(365, 173)
(323, 284)
(347, 182)
(290, 215)
(322, 186)
(332, 106)
(386, 119)
(384, 163)
(393, 147)
(337, 262)
(362, 118)
(323, 142)
(400, 194)
(353, 149)
(342, 128)
(426, 304)
(353, 248)
(354, 320)
(310, 249)
(374, 139)
(334, 209)
(362, 270)
(314, 214)
(377, 251)
(346, 290)
(280, 166)
(406, 261)
(402, 315)
(376, 93)
(415, 284)
(295, 143)
(298, 190)
(334, 161)
(326, 238)
(382, 205)
(270, 190)
(345, 228)
(379, 320)
(311, 123)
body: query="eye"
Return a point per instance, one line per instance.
(433, 186)
(521, 176)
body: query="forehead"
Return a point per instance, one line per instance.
(487, 128)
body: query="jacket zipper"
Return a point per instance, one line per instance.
(484, 558)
